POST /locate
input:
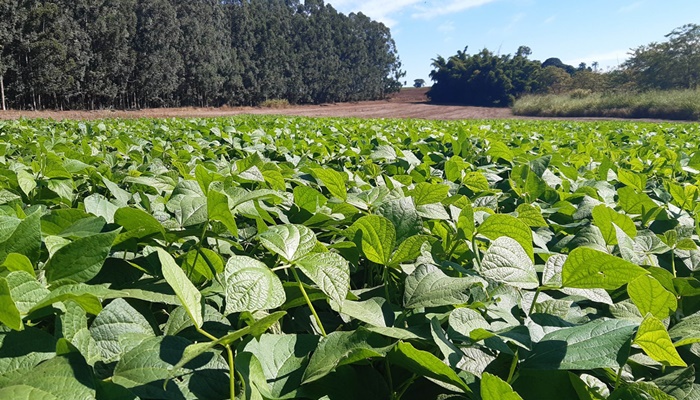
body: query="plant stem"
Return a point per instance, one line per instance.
(388, 374)
(308, 301)
(513, 364)
(619, 377)
(232, 372)
(475, 249)
(405, 387)
(385, 278)
(534, 300)
(673, 263)
(207, 334)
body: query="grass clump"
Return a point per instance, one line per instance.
(670, 104)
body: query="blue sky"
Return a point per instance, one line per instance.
(573, 30)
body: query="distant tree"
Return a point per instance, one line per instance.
(419, 83)
(553, 79)
(555, 62)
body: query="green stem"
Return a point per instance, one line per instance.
(673, 263)
(534, 300)
(405, 387)
(199, 244)
(618, 378)
(475, 249)
(385, 278)
(207, 334)
(513, 364)
(388, 374)
(308, 301)
(232, 372)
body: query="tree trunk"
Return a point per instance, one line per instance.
(2, 92)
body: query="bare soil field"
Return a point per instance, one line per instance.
(408, 103)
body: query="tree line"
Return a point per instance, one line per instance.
(489, 79)
(88, 54)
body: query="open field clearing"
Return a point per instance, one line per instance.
(266, 257)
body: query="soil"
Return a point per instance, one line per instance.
(408, 103)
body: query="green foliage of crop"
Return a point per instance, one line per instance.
(278, 258)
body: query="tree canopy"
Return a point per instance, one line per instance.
(152, 53)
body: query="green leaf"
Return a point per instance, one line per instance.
(145, 370)
(428, 286)
(80, 260)
(21, 350)
(218, 210)
(251, 286)
(25, 239)
(500, 150)
(333, 180)
(26, 290)
(531, 215)
(634, 202)
(137, 224)
(505, 261)
(9, 314)
(292, 242)
(188, 295)
(19, 262)
(329, 271)
(116, 319)
(687, 331)
(377, 237)
(425, 364)
(409, 249)
(375, 311)
(283, 359)
(604, 217)
(651, 297)
(308, 198)
(589, 269)
(597, 344)
(495, 388)
(653, 338)
(499, 225)
(65, 377)
(429, 193)
(342, 348)
(639, 391)
(403, 214)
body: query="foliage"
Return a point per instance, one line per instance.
(483, 79)
(419, 83)
(153, 53)
(666, 104)
(268, 257)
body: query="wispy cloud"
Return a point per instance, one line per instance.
(605, 60)
(447, 27)
(630, 7)
(387, 11)
(550, 19)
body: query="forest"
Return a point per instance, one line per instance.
(96, 54)
(489, 79)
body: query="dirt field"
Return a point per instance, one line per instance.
(409, 103)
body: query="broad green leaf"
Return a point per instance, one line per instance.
(65, 377)
(505, 261)
(80, 260)
(425, 364)
(283, 359)
(333, 180)
(146, 369)
(375, 311)
(116, 319)
(495, 388)
(428, 286)
(289, 241)
(531, 215)
(403, 214)
(19, 262)
(475, 182)
(651, 297)
(26, 290)
(590, 269)
(465, 221)
(74, 328)
(202, 264)
(500, 150)
(218, 210)
(9, 314)
(409, 249)
(687, 331)
(26, 181)
(21, 350)
(137, 224)
(251, 286)
(377, 237)
(653, 338)
(342, 348)
(429, 193)
(25, 239)
(679, 384)
(329, 271)
(604, 217)
(100, 206)
(465, 320)
(308, 198)
(188, 295)
(597, 344)
(639, 391)
(499, 225)
(634, 202)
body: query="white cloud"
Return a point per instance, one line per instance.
(550, 19)
(447, 27)
(606, 60)
(387, 11)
